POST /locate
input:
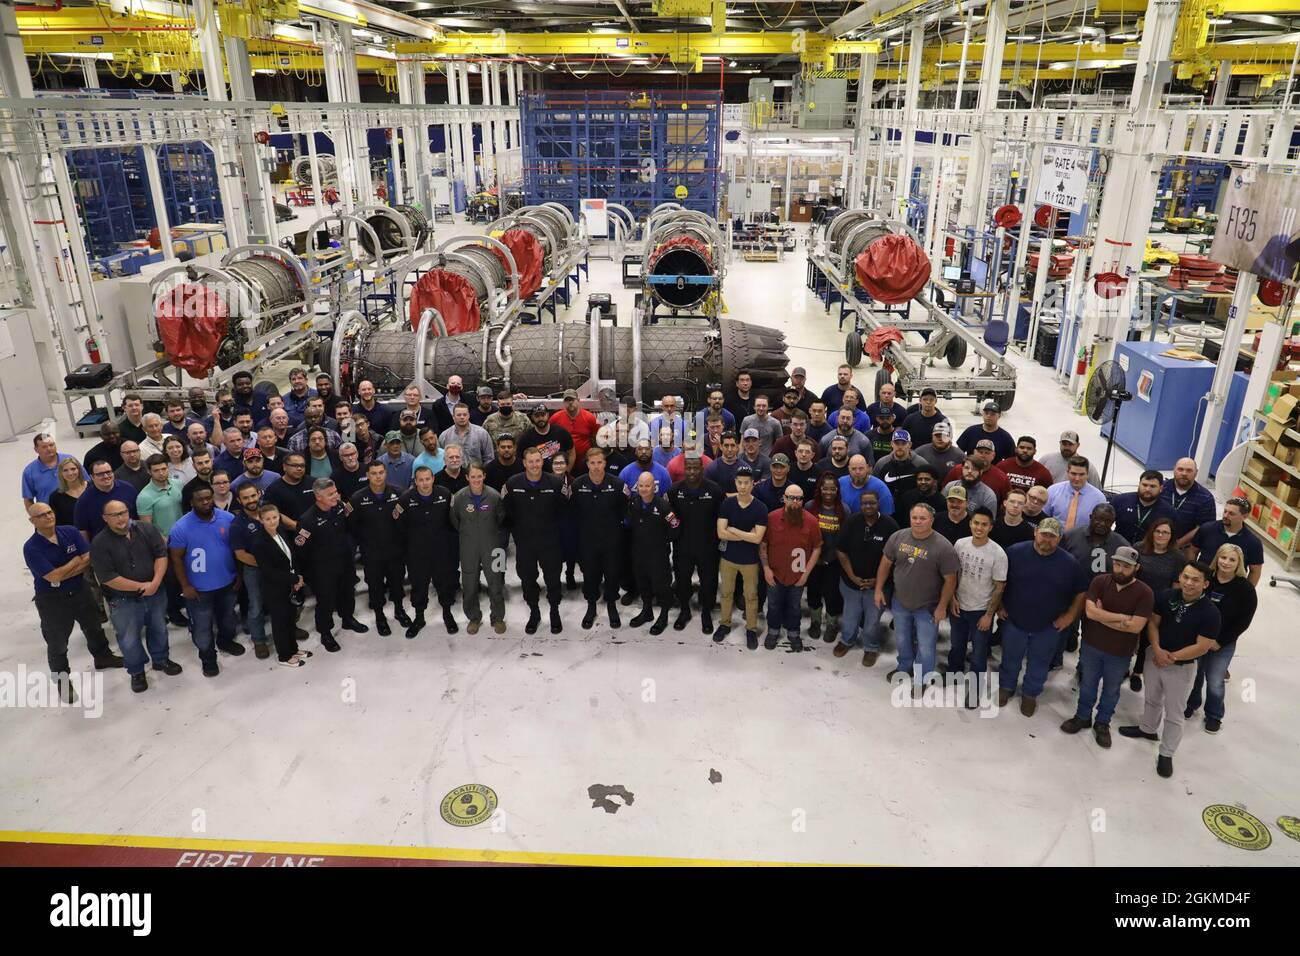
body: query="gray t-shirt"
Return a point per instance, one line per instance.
(769, 432)
(978, 495)
(942, 461)
(1093, 558)
(981, 568)
(920, 567)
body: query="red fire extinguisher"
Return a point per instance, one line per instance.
(92, 350)
(1082, 366)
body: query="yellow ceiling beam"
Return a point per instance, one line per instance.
(1031, 53)
(811, 46)
(1138, 7)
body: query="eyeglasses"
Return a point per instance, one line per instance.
(115, 514)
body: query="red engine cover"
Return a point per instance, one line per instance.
(451, 295)
(892, 269)
(192, 320)
(676, 242)
(523, 245)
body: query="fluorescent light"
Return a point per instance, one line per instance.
(732, 63)
(1124, 36)
(1222, 22)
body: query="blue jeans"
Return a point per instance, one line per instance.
(919, 625)
(1108, 670)
(140, 622)
(783, 612)
(209, 609)
(860, 611)
(964, 628)
(256, 613)
(1038, 646)
(1211, 669)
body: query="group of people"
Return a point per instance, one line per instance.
(824, 512)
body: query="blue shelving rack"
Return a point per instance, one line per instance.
(103, 198)
(627, 147)
(189, 183)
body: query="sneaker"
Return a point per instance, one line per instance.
(840, 649)
(1135, 682)
(1135, 732)
(1101, 733)
(1165, 766)
(352, 624)
(772, 639)
(381, 625)
(1028, 705)
(471, 627)
(139, 683)
(720, 634)
(1213, 726)
(108, 661)
(1075, 724)
(796, 644)
(234, 648)
(261, 651)
(751, 639)
(327, 641)
(211, 669)
(168, 667)
(869, 658)
(499, 626)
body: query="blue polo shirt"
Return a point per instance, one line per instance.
(852, 497)
(244, 531)
(1191, 510)
(632, 472)
(88, 515)
(1040, 587)
(1212, 535)
(43, 556)
(40, 482)
(209, 560)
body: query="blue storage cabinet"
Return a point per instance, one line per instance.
(1160, 425)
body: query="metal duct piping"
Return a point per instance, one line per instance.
(553, 231)
(683, 263)
(274, 289)
(325, 165)
(487, 278)
(546, 359)
(390, 233)
(852, 231)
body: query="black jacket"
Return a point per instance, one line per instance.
(697, 509)
(653, 527)
(534, 513)
(426, 522)
(373, 524)
(599, 509)
(278, 573)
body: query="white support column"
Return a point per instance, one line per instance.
(229, 181)
(159, 204)
(255, 160)
(489, 127)
(911, 98)
(974, 194)
(499, 127)
(512, 99)
(933, 225)
(90, 73)
(451, 131)
(862, 135)
(467, 134)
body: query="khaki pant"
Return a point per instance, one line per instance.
(749, 580)
(1166, 690)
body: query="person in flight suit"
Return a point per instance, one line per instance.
(322, 540)
(373, 523)
(533, 506)
(432, 551)
(477, 513)
(654, 528)
(598, 507)
(695, 501)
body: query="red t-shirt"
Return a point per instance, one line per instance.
(994, 478)
(583, 428)
(677, 466)
(1023, 477)
(785, 541)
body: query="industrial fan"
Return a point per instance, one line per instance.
(1105, 394)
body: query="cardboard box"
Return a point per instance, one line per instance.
(1284, 409)
(1288, 492)
(1263, 472)
(1267, 445)
(1273, 431)
(1287, 454)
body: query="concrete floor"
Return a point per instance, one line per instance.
(815, 764)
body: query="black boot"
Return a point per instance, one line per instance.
(589, 618)
(614, 619)
(399, 615)
(683, 618)
(642, 619)
(570, 582)
(706, 622)
(557, 624)
(381, 624)
(449, 621)
(534, 618)
(661, 623)
(413, 627)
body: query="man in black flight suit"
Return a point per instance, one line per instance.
(654, 527)
(373, 523)
(599, 505)
(532, 507)
(432, 547)
(695, 501)
(322, 539)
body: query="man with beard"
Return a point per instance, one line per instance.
(197, 438)
(833, 396)
(348, 474)
(254, 473)
(504, 421)
(860, 479)
(379, 417)
(243, 533)
(1057, 462)
(953, 522)
(859, 547)
(204, 565)
(431, 548)
(1135, 510)
(547, 437)
(677, 464)
(1022, 470)
(408, 427)
(483, 407)
(599, 507)
(452, 477)
(581, 426)
(696, 501)
(941, 453)
(898, 468)
(292, 493)
(108, 449)
(836, 461)
(245, 399)
(654, 526)
(202, 463)
(325, 388)
(858, 443)
(175, 420)
(789, 405)
(1192, 502)
(799, 383)
(926, 492)
(411, 405)
(771, 490)
(504, 465)
(326, 548)
(988, 474)
(714, 405)
(445, 407)
(644, 462)
(969, 478)
(989, 430)
(750, 455)
(789, 551)
(295, 401)
(373, 524)
(532, 507)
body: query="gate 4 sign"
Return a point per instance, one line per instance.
(1063, 180)
(1259, 226)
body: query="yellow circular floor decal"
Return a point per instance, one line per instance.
(468, 805)
(1290, 826)
(1237, 827)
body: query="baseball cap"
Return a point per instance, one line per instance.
(990, 406)
(750, 433)
(986, 444)
(883, 413)
(956, 491)
(781, 459)
(929, 391)
(250, 453)
(942, 428)
(1071, 436)
(570, 393)
(744, 471)
(1126, 554)
(902, 434)
(392, 437)
(539, 407)
(1051, 526)
(799, 370)
(484, 390)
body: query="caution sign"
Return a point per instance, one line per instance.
(1235, 826)
(469, 805)
(1063, 180)
(1290, 826)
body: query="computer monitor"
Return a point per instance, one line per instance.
(979, 272)
(952, 273)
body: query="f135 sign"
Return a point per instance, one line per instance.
(1063, 180)
(1259, 226)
